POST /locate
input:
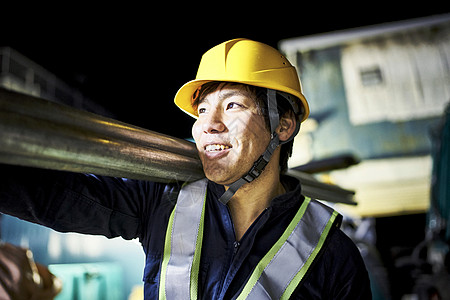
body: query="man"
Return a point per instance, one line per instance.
(244, 233)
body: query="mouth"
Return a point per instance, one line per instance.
(216, 151)
(216, 147)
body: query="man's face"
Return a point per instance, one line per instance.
(230, 133)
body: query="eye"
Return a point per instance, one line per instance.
(233, 105)
(202, 108)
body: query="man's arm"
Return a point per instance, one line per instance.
(71, 202)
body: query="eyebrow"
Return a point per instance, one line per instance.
(224, 96)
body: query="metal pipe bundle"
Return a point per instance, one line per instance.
(38, 133)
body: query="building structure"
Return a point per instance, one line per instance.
(20, 74)
(375, 93)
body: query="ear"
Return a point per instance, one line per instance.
(287, 126)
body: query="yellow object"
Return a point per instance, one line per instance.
(137, 293)
(243, 61)
(386, 187)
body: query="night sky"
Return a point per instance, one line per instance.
(132, 59)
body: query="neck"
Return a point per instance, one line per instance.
(252, 198)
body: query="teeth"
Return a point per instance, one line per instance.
(216, 147)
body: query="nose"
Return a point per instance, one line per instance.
(213, 122)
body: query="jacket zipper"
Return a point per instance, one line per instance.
(236, 245)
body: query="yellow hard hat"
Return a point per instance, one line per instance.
(243, 61)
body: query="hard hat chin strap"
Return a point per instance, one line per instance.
(264, 159)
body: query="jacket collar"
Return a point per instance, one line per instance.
(289, 199)
(293, 193)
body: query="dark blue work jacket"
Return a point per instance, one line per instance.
(130, 208)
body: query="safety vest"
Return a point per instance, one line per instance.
(277, 274)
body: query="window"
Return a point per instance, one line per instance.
(38, 80)
(18, 70)
(371, 76)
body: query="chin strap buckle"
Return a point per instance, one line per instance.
(255, 170)
(263, 160)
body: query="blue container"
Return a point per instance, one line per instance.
(96, 281)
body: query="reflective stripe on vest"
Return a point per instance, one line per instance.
(183, 244)
(277, 274)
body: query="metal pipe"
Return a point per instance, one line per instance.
(40, 133)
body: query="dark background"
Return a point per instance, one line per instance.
(132, 59)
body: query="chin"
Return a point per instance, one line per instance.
(224, 171)
(219, 179)
(219, 176)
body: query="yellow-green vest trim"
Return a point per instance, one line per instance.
(277, 274)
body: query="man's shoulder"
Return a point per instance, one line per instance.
(343, 259)
(338, 273)
(341, 252)
(339, 240)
